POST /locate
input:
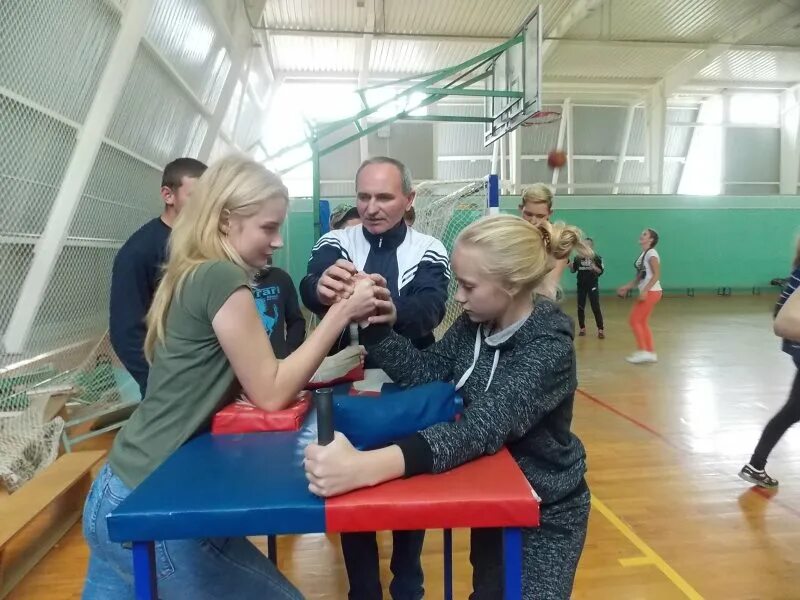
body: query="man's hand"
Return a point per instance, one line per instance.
(336, 282)
(385, 311)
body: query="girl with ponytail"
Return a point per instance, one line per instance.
(511, 357)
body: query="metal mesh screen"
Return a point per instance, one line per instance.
(185, 34)
(44, 61)
(443, 209)
(52, 56)
(229, 121)
(246, 133)
(33, 156)
(155, 118)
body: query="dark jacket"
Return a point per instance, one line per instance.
(134, 278)
(790, 347)
(587, 276)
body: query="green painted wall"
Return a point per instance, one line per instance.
(706, 242)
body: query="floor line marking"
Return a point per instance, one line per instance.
(647, 552)
(754, 489)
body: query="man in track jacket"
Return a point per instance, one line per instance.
(417, 272)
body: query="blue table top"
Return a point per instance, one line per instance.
(225, 485)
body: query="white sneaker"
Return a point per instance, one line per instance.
(642, 356)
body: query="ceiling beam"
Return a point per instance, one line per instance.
(670, 44)
(619, 83)
(687, 69)
(431, 37)
(577, 12)
(563, 84)
(549, 40)
(713, 85)
(370, 24)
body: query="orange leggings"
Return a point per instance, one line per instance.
(638, 320)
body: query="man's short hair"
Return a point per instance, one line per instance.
(405, 173)
(179, 168)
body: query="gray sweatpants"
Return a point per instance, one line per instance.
(550, 553)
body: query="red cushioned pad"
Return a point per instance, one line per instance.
(354, 374)
(244, 417)
(488, 492)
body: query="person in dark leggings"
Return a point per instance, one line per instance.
(589, 271)
(753, 472)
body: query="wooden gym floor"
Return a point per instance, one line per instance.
(670, 517)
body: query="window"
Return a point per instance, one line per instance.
(702, 174)
(755, 109)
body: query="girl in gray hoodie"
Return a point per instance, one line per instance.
(512, 359)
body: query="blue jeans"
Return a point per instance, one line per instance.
(363, 571)
(192, 569)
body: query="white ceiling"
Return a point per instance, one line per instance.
(597, 44)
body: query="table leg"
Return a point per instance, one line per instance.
(144, 571)
(272, 549)
(448, 564)
(512, 561)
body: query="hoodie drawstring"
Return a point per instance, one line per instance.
(475, 355)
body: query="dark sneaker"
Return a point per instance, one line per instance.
(582, 332)
(756, 477)
(601, 334)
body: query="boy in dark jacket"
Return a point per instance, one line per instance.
(137, 270)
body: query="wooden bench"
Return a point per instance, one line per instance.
(34, 518)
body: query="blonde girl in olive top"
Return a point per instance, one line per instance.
(206, 345)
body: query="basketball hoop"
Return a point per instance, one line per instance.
(542, 117)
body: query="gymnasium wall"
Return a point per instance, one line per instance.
(739, 242)
(193, 89)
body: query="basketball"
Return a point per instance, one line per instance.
(556, 159)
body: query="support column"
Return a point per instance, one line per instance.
(238, 55)
(655, 115)
(562, 130)
(503, 163)
(723, 143)
(515, 150)
(790, 140)
(623, 148)
(570, 149)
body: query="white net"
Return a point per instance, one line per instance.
(443, 209)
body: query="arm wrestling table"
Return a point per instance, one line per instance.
(254, 484)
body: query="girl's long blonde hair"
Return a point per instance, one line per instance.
(520, 254)
(233, 187)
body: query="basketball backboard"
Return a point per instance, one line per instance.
(517, 72)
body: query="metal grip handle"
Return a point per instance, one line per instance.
(323, 401)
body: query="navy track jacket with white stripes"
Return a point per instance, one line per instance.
(414, 265)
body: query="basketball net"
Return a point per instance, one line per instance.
(542, 117)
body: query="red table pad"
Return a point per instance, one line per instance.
(490, 491)
(245, 417)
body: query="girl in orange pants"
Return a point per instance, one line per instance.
(648, 280)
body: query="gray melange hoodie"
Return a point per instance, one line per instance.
(520, 394)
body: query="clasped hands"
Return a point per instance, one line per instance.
(366, 295)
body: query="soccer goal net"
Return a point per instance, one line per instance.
(443, 209)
